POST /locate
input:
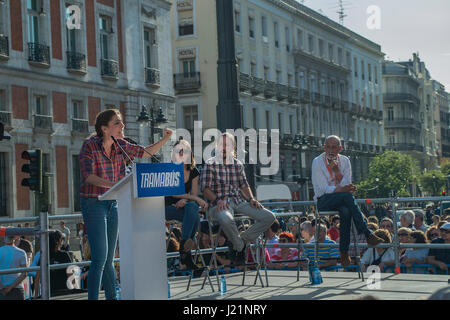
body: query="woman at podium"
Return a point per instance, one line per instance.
(102, 164)
(185, 207)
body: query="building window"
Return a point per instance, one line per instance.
(237, 20)
(369, 69)
(190, 114)
(41, 107)
(266, 73)
(340, 56)
(78, 110)
(321, 51)
(105, 24)
(376, 74)
(311, 43)
(33, 9)
(150, 48)
(267, 120)
(278, 75)
(3, 106)
(299, 38)
(355, 65)
(253, 69)
(331, 52)
(363, 76)
(251, 25)
(287, 33)
(280, 122)
(291, 124)
(255, 120)
(185, 18)
(348, 60)
(390, 114)
(265, 35)
(188, 67)
(276, 32)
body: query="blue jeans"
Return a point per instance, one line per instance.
(345, 203)
(189, 217)
(101, 222)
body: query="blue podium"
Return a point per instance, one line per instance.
(142, 242)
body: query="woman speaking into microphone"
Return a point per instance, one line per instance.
(102, 164)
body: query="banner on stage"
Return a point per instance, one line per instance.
(158, 179)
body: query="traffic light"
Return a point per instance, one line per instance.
(34, 168)
(443, 193)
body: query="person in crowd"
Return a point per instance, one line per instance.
(102, 165)
(436, 219)
(66, 232)
(185, 207)
(333, 190)
(302, 219)
(293, 225)
(173, 263)
(26, 246)
(11, 257)
(429, 215)
(224, 185)
(441, 257)
(311, 217)
(223, 258)
(284, 254)
(407, 219)
(372, 226)
(379, 256)
(432, 233)
(373, 219)
(388, 225)
(306, 231)
(80, 233)
(58, 277)
(333, 232)
(327, 257)
(415, 255)
(419, 224)
(272, 236)
(403, 236)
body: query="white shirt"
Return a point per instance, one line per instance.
(368, 257)
(322, 181)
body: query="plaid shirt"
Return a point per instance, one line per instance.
(93, 160)
(224, 180)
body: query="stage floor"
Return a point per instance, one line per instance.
(283, 285)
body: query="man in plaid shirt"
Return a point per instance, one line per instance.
(224, 185)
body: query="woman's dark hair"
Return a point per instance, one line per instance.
(25, 245)
(103, 118)
(383, 234)
(54, 237)
(419, 236)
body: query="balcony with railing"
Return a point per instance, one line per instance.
(80, 126)
(76, 62)
(43, 123)
(4, 47)
(400, 97)
(327, 101)
(109, 69)
(293, 95)
(5, 118)
(244, 82)
(304, 95)
(39, 54)
(269, 89)
(405, 147)
(258, 86)
(316, 98)
(282, 92)
(152, 76)
(402, 123)
(187, 82)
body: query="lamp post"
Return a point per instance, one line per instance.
(434, 185)
(149, 119)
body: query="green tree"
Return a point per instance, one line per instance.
(390, 171)
(433, 182)
(445, 168)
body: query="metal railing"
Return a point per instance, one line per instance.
(39, 53)
(109, 68)
(42, 232)
(76, 61)
(4, 46)
(152, 76)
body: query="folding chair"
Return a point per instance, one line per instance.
(281, 192)
(316, 242)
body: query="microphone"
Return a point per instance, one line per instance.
(118, 144)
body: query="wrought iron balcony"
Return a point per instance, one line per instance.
(335, 102)
(43, 123)
(269, 89)
(327, 101)
(402, 123)
(316, 98)
(76, 62)
(5, 118)
(244, 82)
(257, 86)
(4, 47)
(39, 54)
(400, 97)
(304, 95)
(405, 147)
(80, 126)
(187, 82)
(282, 92)
(152, 76)
(110, 68)
(293, 95)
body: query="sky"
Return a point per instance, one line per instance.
(406, 26)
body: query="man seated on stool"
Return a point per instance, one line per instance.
(333, 190)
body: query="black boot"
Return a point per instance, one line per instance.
(185, 254)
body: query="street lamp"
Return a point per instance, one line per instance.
(144, 118)
(434, 185)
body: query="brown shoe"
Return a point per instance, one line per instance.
(188, 245)
(373, 240)
(345, 259)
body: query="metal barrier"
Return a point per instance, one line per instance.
(42, 232)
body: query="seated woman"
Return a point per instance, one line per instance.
(415, 255)
(284, 254)
(185, 207)
(379, 256)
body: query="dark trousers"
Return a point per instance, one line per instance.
(14, 294)
(345, 203)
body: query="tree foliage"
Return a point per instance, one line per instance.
(390, 171)
(433, 182)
